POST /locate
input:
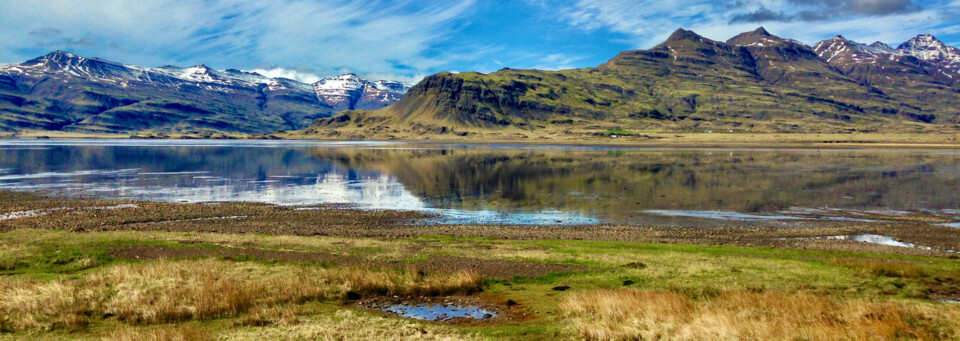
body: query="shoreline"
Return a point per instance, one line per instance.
(330, 274)
(654, 140)
(74, 214)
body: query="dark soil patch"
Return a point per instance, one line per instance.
(485, 267)
(149, 252)
(493, 268)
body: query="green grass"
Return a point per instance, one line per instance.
(618, 132)
(696, 271)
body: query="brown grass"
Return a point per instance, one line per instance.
(163, 333)
(349, 325)
(636, 314)
(281, 315)
(166, 291)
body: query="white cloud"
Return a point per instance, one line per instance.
(557, 61)
(289, 74)
(650, 22)
(392, 77)
(376, 36)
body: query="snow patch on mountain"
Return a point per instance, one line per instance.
(342, 92)
(349, 91)
(927, 48)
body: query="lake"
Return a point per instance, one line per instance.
(508, 184)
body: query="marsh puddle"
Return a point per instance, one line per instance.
(504, 183)
(873, 239)
(438, 312)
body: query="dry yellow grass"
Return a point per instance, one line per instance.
(168, 291)
(349, 325)
(282, 315)
(636, 314)
(163, 333)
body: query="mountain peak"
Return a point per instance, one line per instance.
(922, 40)
(682, 34)
(61, 53)
(758, 38)
(926, 47)
(57, 56)
(883, 47)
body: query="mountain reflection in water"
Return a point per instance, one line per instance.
(498, 183)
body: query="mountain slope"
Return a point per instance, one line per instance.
(753, 82)
(65, 92)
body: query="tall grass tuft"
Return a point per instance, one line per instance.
(163, 333)
(637, 314)
(173, 291)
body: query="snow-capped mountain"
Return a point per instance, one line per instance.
(924, 47)
(349, 92)
(927, 48)
(883, 47)
(72, 92)
(842, 50)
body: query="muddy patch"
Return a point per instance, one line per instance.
(498, 269)
(150, 252)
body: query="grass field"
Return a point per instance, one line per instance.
(147, 271)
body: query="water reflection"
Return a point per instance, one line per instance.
(439, 312)
(876, 239)
(502, 183)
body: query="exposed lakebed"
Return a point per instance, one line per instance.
(873, 239)
(507, 184)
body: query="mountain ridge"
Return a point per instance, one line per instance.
(754, 82)
(64, 91)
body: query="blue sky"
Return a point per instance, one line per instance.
(406, 40)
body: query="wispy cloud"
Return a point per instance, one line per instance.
(364, 36)
(406, 39)
(278, 72)
(558, 61)
(650, 22)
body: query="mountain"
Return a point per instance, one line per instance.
(66, 92)
(927, 48)
(349, 92)
(754, 82)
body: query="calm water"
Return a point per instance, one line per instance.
(439, 312)
(502, 183)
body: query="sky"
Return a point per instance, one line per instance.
(407, 40)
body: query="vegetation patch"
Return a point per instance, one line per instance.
(173, 291)
(644, 314)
